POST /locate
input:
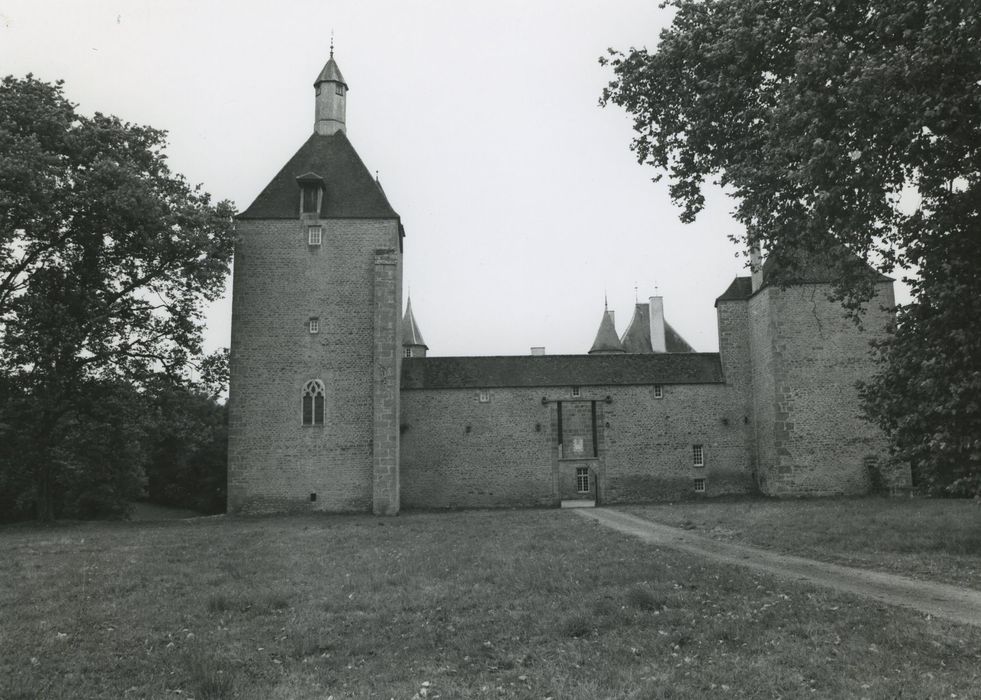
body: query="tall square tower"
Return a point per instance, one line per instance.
(315, 349)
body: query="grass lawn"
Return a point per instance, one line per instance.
(479, 604)
(936, 539)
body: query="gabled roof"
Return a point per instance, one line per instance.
(561, 370)
(330, 73)
(606, 336)
(637, 337)
(350, 192)
(410, 329)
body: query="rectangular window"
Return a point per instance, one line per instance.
(310, 199)
(314, 235)
(407, 352)
(339, 89)
(699, 485)
(582, 479)
(314, 325)
(575, 392)
(658, 391)
(698, 456)
(484, 396)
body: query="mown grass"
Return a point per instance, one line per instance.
(515, 604)
(935, 539)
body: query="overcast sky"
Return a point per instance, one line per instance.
(522, 202)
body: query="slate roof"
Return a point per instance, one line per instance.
(560, 370)
(330, 73)
(637, 337)
(812, 272)
(410, 329)
(606, 336)
(350, 192)
(740, 288)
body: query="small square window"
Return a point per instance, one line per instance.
(314, 235)
(658, 391)
(576, 393)
(699, 485)
(314, 325)
(698, 455)
(582, 479)
(484, 396)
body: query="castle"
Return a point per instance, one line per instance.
(334, 405)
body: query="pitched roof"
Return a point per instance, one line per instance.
(560, 370)
(813, 271)
(739, 288)
(330, 73)
(350, 192)
(637, 337)
(410, 329)
(606, 336)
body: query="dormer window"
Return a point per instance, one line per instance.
(311, 193)
(311, 199)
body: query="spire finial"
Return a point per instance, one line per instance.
(331, 43)
(655, 288)
(606, 306)
(635, 292)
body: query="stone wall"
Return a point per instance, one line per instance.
(458, 452)
(807, 357)
(280, 282)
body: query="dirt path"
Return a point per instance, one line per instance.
(938, 599)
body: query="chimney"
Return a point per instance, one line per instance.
(756, 266)
(657, 324)
(538, 350)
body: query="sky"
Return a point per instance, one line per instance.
(523, 205)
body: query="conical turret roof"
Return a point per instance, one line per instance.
(606, 337)
(411, 335)
(330, 73)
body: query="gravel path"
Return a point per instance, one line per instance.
(938, 599)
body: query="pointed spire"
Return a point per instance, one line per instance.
(606, 341)
(331, 98)
(412, 342)
(331, 43)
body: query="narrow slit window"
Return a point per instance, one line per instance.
(698, 456)
(315, 235)
(313, 403)
(658, 391)
(582, 479)
(699, 485)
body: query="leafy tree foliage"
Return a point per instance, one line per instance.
(188, 450)
(850, 132)
(106, 260)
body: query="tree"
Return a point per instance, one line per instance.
(187, 441)
(849, 131)
(106, 260)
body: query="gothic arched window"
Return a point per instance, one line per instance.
(313, 402)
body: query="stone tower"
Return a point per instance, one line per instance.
(315, 350)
